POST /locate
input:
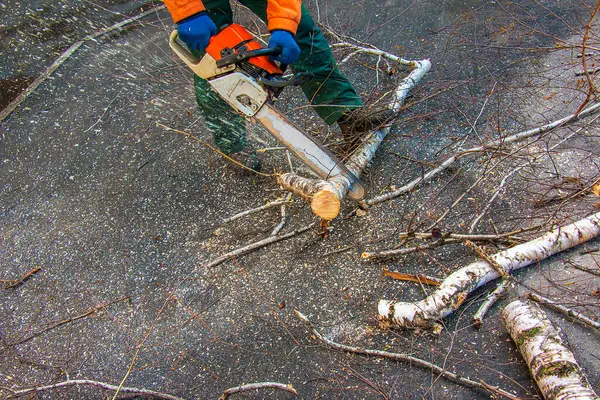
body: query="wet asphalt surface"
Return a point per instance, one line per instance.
(115, 209)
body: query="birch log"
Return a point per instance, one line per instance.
(551, 364)
(406, 84)
(325, 196)
(456, 287)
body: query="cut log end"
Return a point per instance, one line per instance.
(325, 204)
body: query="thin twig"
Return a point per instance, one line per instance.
(588, 72)
(387, 254)
(481, 253)
(565, 310)
(407, 358)
(591, 88)
(590, 251)
(341, 250)
(447, 238)
(53, 325)
(138, 348)
(86, 382)
(255, 386)
(13, 284)
(257, 209)
(103, 113)
(419, 278)
(472, 236)
(265, 149)
(256, 245)
(195, 316)
(213, 148)
(284, 216)
(499, 190)
(374, 52)
(490, 145)
(500, 288)
(589, 271)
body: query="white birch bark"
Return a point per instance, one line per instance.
(551, 364)
(406, 84)
(322, 194)
(456, 287)
(324, 197)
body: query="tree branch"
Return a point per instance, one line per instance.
(255, 386)
(86, 382)
(256, 245)
(407, 358)
(455, 288)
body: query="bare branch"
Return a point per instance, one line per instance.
(407, 358)
(492, 144)
(284, 215)
(86, 382)
(256, 245)
(456, 287)
(257, 209)
(258, 385)
(15, 283)
(489, 301)
(53, 325)
(565, 310)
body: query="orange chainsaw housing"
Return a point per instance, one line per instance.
(235, 36)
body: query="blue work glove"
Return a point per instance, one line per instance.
(289, 48)
(196, 31)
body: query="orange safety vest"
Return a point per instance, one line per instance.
(281, 14)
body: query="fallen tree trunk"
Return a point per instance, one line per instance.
(325, 196)
(551, 364)
(456, 287)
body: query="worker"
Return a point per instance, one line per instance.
(303, 47)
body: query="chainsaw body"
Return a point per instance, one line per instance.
(239, 69)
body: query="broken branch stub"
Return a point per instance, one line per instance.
(551, 364)
(456, 287)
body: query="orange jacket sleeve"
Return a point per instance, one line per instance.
(284, 14)
(281, 14)
(181, 9)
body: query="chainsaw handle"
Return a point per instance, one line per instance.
(205, 67)
(183, 53)
(245, 55)
(281, 82)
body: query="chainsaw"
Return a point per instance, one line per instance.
(239, 69)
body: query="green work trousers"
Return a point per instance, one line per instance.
(329, 92)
